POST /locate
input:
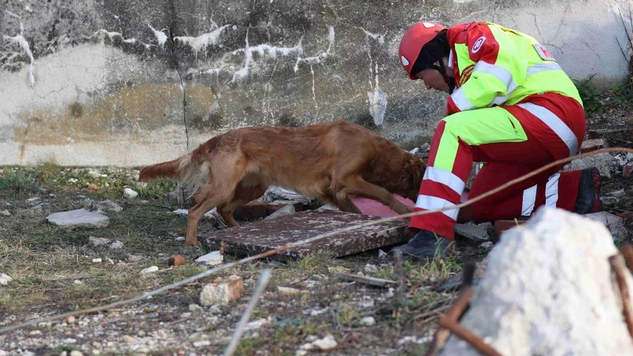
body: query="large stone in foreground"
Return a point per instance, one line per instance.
(264, 235)
(548, 290)
(78, 218)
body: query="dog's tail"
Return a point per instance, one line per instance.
(188, 170)
(170, 169)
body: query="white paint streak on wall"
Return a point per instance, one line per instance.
(21, 41)
(161, 37)
(377, 98)
(207, 39)
(318, 58)
(379, 38)
(261, 50)
(377, 102)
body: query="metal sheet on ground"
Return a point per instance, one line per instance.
(264, 235)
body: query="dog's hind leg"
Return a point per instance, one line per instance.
(344, 203)
(209, 197)
(228, 171)
(242, 196)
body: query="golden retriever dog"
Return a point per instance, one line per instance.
(329, 161)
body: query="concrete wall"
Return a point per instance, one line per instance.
(127, 83)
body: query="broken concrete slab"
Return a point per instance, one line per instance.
(264, 235)
(274, 193)
(78, 218)
(472, 231)
(211, 259)
(285, 210)
(592, 145)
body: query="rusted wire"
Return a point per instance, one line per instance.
(474, 340)
(310, 240)
(627, 252)
(449, 321)
(454, 313)
(619, 269)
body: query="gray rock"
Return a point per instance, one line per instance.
(34, 211)
(108, 205)
(129, 193)
(149, 270)
(602, 161)
(211, 259)
(548, 290)
(5, 279)
(98, 241)
(211, 215)
(77, 218)
(116, 244)
(277, 193)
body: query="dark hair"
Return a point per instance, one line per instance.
(432, 52)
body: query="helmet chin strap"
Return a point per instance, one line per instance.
(448, 80)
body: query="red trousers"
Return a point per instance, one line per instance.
(552, 127)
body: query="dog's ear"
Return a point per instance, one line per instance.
(413, 171)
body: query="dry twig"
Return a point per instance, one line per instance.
(239, 330)
(619, 269)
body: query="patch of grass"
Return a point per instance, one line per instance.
(624, 92)
(317, 262)
(430, 269)
(415, 350)
(66, 347)
(15, 182)
(248, 346)
(48, 170)
(589, 94)
(347, 315)
(158, 189)
(181, 272)
(303, 268)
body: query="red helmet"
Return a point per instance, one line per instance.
(414, 38)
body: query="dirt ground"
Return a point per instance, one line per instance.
(57, 270)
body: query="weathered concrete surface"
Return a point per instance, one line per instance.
(548, 290)
(265, 235)
(132, 83)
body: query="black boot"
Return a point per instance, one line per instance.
(588, 200)
(423, 244)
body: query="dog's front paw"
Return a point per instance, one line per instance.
(192, 243)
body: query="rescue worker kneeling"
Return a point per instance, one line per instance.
(510, 106)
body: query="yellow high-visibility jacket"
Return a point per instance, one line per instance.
(494, 65)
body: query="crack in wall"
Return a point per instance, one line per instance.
(174, 60)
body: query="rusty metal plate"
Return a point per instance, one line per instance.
(257, 237)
